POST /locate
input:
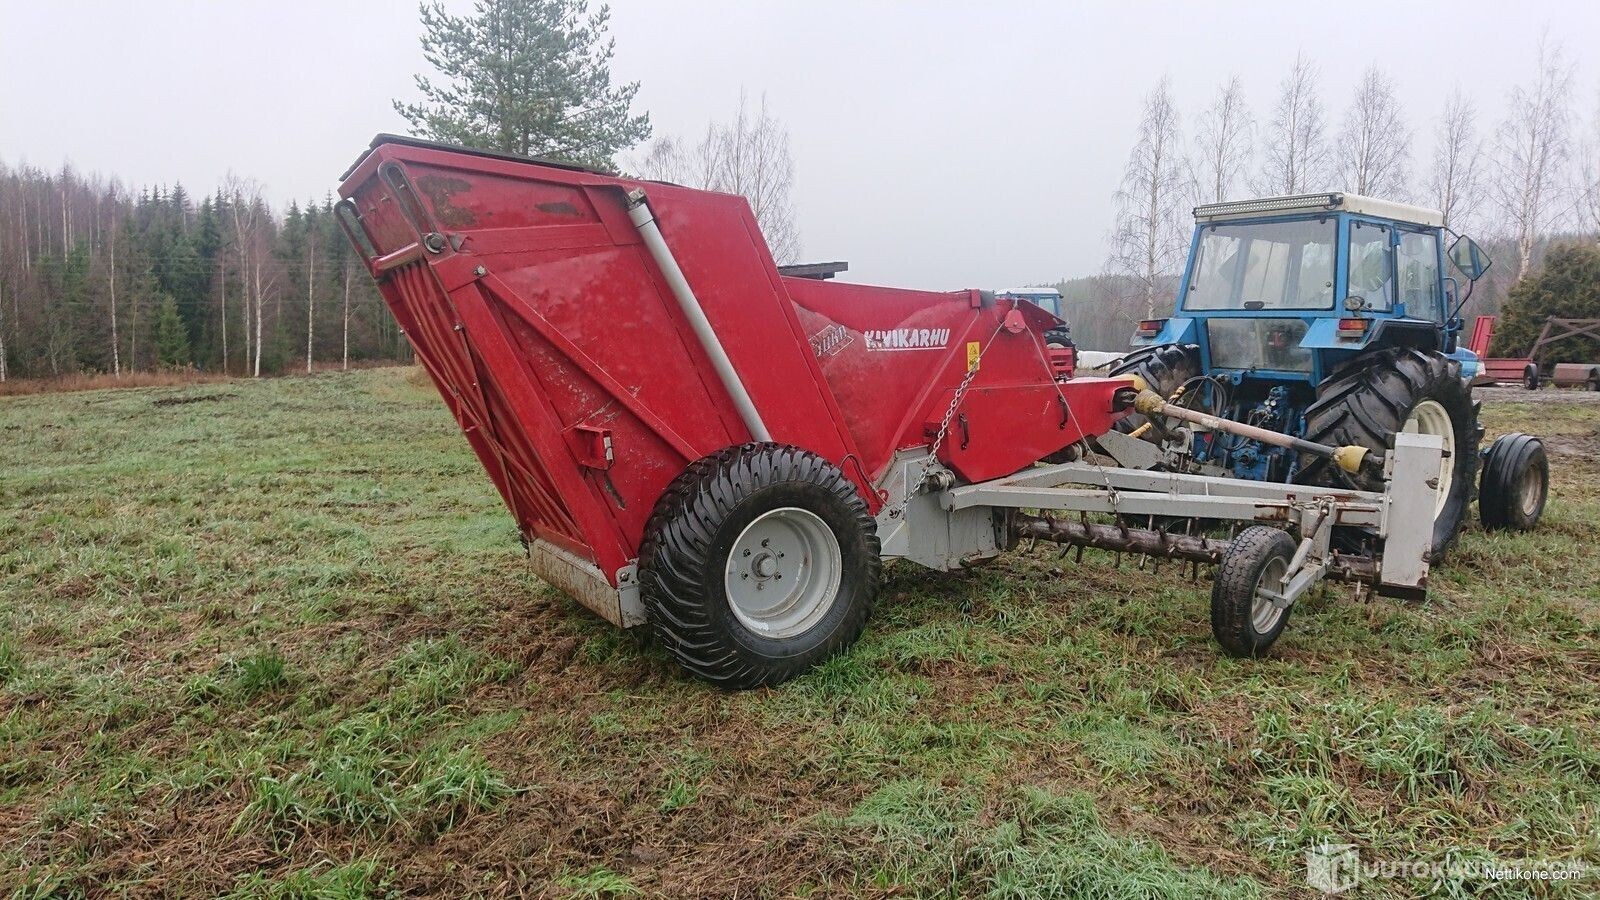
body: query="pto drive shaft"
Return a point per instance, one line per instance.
(1151, 404)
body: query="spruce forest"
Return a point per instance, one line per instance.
(96, 278)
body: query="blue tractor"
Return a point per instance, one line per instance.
(1330, 317)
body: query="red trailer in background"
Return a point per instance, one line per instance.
(1499, 370)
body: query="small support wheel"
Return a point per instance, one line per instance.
(1516, 482)
(1245, 617)
(1530, 378)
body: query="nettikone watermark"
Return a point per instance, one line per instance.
(1336, 868)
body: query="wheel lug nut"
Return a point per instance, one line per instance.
(765, 541)
(747, 553)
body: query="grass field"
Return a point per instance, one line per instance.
(279, 639)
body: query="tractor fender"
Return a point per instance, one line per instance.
(1175, 331)
(1323, 334)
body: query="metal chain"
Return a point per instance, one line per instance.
(928, 464)
(955, 403)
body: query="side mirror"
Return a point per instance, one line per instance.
(1467, 256)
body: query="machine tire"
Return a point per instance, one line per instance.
(1530, 378)
(1367, 402)
(1237, 624)
(684, 563)
(1165, 367)
(1516, 483)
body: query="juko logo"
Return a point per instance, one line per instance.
(907, 339)
(829, 341)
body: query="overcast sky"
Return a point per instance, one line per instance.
(938, 145)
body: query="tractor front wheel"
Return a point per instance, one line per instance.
(759, 562)
(1400, 389)
(1516, 481)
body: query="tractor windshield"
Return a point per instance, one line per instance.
(1263, 265)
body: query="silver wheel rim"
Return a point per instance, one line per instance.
(1531, 489)
(1264, 614)
(783, 573)
(1430, 417)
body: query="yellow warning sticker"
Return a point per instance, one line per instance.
(973, 352)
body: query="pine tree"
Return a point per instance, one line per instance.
(525, 76)
(171, 335)
(1567, 286)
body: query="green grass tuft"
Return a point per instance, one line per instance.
(598, 884)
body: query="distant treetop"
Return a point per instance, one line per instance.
(531, 77)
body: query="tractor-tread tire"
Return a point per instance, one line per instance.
(1366, 403)
(1233, 591)
(1500, 498)
(1164, 367)
(692, 530)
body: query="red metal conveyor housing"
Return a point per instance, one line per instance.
(594, 335)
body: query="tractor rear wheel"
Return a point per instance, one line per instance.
(758, 562)
(1164, 367)
(1399, 389)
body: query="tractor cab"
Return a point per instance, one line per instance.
(1327, 317)
(1290, 288)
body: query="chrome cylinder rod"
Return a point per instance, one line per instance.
(645, 222)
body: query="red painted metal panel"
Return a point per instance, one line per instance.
(894, 359)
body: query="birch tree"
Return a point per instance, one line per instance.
(311, 281)
(1222, 142)
(1148, 240)
(1531, 146)
(2, 331)
(1454, 185)
(345, 365)
(748, 156)
(1295, 151)
(111, 279)
(1373, 151)
(1588, 176)
(245, 209)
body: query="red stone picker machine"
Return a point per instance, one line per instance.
(691, 439)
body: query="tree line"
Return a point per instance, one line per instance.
(1518, 176)
(96, 278)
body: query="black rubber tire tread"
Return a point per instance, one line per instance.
(1365, 403)
(1499, 503)
(692, 529)
(1233, 590)
(1165, 367)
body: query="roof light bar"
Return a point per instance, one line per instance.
(1295, 203)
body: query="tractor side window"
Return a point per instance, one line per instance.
(1212, 286)
(1371, 267)
(1419, 275)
